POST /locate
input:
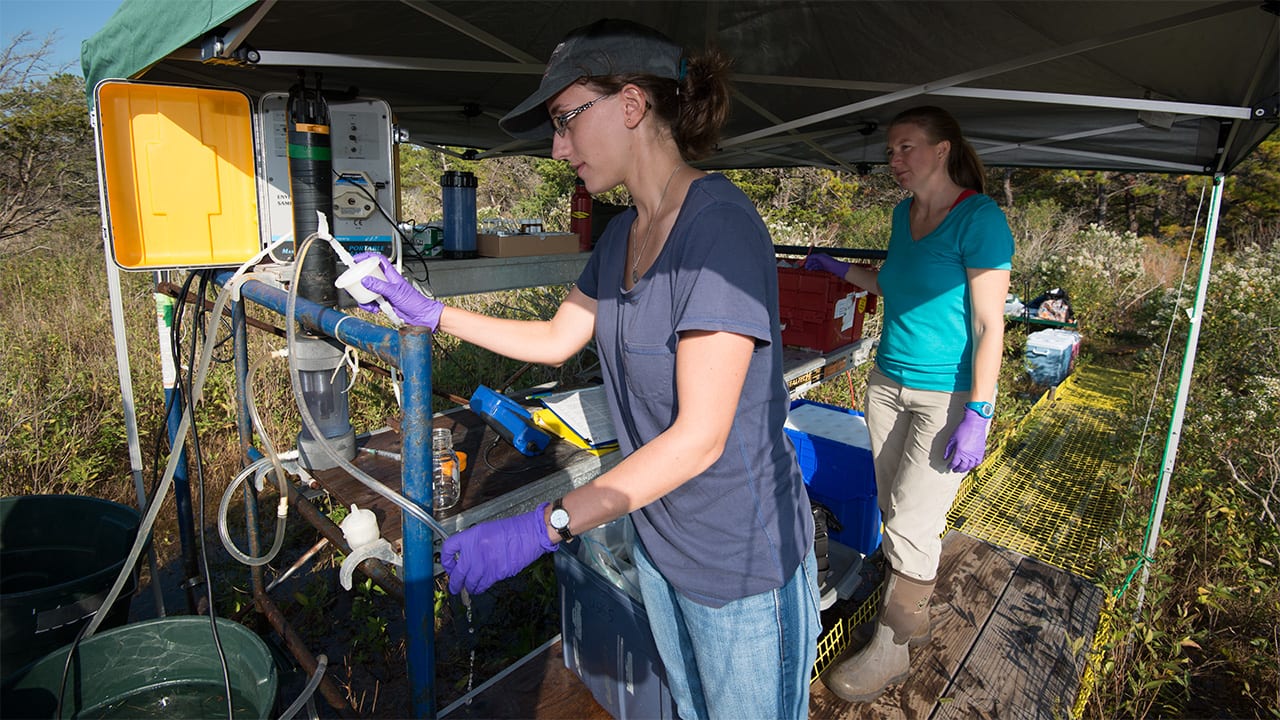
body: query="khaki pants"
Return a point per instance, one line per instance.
(909, 433)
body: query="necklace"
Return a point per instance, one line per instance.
(635, 277)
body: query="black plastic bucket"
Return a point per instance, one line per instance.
(165, 668)
(60, 555)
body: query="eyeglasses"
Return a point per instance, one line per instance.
(561, 122)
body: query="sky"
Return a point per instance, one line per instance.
(73, 21)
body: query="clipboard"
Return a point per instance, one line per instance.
(549, 421)
(581, 417)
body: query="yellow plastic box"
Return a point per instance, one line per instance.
(178, 175)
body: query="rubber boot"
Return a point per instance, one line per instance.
(914, 606)
(885, 660)
(865, 676)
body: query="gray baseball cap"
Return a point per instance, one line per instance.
(601, 49)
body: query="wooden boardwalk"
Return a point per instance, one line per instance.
(1010, 638)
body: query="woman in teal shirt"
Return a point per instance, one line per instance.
(931, 394)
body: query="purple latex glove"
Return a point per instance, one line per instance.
(482, 555)
(412, 306)
(822, 261)
(968, 444)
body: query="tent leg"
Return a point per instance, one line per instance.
(1184, 388)
(130, 412)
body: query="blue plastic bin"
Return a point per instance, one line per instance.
(834, 450)
(1050, 355)
(607, 641)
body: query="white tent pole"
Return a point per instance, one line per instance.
(1184, 388)
(763, 112)
(130, 413)
(438, 14)
(122, 365)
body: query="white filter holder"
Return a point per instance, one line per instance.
(350, 281)
(379, 549)
(359, 527)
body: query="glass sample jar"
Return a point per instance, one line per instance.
(446, 485)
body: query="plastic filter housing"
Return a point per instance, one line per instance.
(360, 527)
(323, 391)
(458, 195)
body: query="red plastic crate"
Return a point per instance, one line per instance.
(815, 308)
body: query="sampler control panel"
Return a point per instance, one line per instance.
(364, 190)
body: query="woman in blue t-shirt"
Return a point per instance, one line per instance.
(931, 395)
(681, 298)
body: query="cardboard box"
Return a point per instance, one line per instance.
(834, 450)
(526, 245)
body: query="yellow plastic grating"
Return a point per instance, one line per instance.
(1051, 490)
(1097, 652)
(835, 640)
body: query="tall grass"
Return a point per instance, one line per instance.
(63, 429)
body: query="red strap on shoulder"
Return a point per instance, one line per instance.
(967, 192)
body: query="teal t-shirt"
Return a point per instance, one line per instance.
(927, 341)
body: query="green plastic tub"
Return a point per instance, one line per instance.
(60, 555)
(166, 668)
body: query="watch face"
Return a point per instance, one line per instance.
(559, 518)
(985, 409)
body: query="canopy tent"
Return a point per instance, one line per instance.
(1183, 87)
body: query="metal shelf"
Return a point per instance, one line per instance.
(804, 370)
(447, 278)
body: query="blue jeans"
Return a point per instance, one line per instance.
(751, 658)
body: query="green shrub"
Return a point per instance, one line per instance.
(1102, 273)
(1204, 642)
(63, 428)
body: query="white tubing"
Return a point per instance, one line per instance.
(281, 514)
(322, 662)
(379, 549)
(175, 454)
(271, 458)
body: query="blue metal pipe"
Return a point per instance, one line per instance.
(182, 498)
(415, 475)
(377, 340)
(174, 403)
(240, 347)
(410, 350)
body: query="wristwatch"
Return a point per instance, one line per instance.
(985, 409)
(560, 520)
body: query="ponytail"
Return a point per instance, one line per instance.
(963, 165)
(695, 106)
